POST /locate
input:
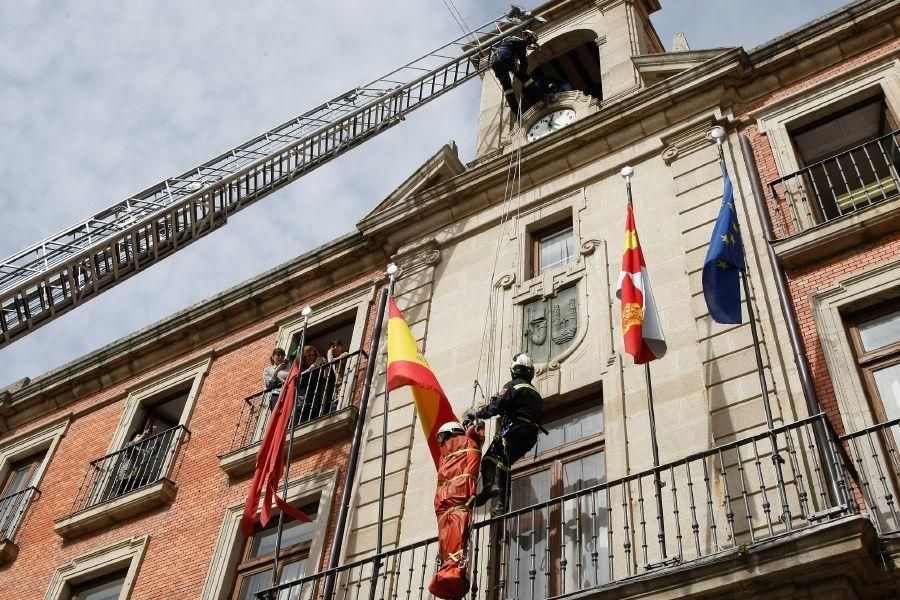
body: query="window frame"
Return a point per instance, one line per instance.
(870, 361)
(553, 461)
(78, 588)
(247, 567)
(567, 222)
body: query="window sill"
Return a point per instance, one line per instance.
(8, 552)
(116, 510)
(307, 437)
(839, 235)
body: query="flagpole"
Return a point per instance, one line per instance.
(276, 578)
(392, 271)
(718, 134)
(627, 173)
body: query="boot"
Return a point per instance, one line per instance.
(513, 104)
(488, 477)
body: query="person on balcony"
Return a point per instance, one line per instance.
(276, 373)
(460, 455)
(511, 57)
(337, 359)
(134, 469)
(311, 386)
(520, 408)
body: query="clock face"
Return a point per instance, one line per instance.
(550, 123)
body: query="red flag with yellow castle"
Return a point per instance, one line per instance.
(641, 327)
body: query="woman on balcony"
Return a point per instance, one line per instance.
(312, 384)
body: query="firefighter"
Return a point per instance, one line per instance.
(520, 408)
(511, 57)
(460, 456)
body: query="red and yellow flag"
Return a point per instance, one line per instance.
(641, 327)
(407, 366)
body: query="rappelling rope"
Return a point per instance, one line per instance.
(513, 188)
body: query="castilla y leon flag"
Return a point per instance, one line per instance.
(407, 366)
(271, 458)
(643, 333)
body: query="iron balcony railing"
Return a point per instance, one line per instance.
(875, 466)
(705, 504)
(12, 510)
(836, 186)
(135, 466)
(323, 390)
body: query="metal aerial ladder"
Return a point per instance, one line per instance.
(65, 270)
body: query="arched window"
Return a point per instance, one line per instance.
(569, 62)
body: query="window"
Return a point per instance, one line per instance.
(103, 588)
(552, 247)
(573, 534)
(569, 62)
(15, 492)
(850, 159)
(254, 573)
(876, 336)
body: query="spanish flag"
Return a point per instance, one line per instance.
(641, 328)
(407, 366)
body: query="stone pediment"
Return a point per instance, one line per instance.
(442, 166)
(654, 68)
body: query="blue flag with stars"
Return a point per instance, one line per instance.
(724, 261)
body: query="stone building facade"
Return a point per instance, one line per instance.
(521, 249)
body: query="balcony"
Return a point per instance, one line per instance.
(326, 412)
(755, 516)
(12, 510)
(124, 483)
(837, 203)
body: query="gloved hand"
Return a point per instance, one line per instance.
(470, 417)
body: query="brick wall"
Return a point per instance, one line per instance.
(182, 535)
(822, 274)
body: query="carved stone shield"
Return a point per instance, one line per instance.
(550, 325)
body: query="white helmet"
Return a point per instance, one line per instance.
(449, 428)
(522, 366)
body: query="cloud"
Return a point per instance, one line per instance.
(97, 102)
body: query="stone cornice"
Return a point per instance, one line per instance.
(240, 306)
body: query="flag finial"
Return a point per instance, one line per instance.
(626, 172)
(717, 133)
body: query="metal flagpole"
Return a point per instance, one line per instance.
(627, 173)
(290, 447)
(718, 133)
(392, 270)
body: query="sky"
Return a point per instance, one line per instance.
(98, 102)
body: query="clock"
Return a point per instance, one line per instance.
(551, 122)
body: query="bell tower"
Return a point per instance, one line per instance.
(584, 56)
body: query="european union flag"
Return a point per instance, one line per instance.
(724, 261)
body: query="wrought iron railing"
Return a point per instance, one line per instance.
(322, 391)
(875, 468)
(701, 505)
(836, 186)
(12, 510)
(135, 466)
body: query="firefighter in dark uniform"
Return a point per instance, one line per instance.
(511, 57)
(520, 408)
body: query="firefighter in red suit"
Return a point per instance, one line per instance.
(457, 474)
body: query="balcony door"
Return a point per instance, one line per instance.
(559, 548)
(850, 157)
(13, 495)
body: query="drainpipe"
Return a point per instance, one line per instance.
(787, 309)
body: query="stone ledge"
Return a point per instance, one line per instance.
(309, 436)
(833, 555)
(8, 552)
(833, 237)
(116, 510)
